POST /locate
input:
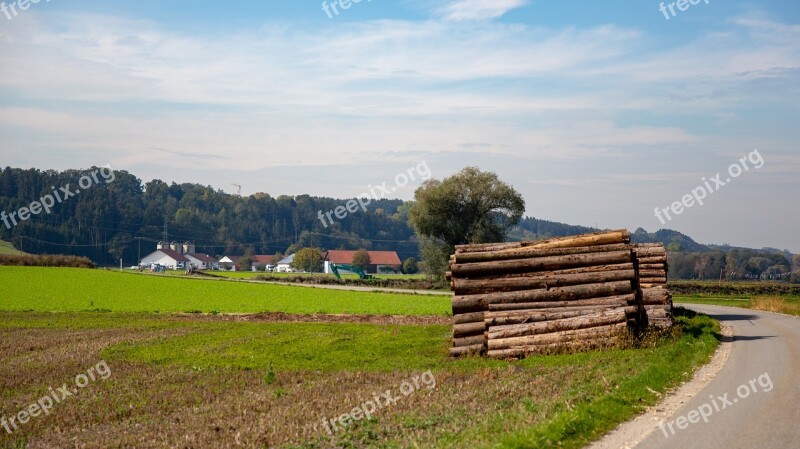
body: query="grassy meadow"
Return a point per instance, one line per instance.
(74, 290)
(268, 380)
(7, 249)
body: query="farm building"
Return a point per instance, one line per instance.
(285, 265)
(228, 262)
(202, 261)
(167, 257)
(179, 256)
(382, 261)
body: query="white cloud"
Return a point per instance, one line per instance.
(475, 10)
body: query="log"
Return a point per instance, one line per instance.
(479, 247)
(596, 238)
(540, 280)
(557, 337)
(657, 314)
(665, 307)
(573, 292)
(535, 316)
(468, 329)
(468, 318)
(540, 264)
(650, 252)
(618, 300)
(466, 350)
(469, 341)
(589, 269)
(652, 273)
(555, 348)
(651, 260)
(655, 295)
(653, 266)
(653, 280)
(522, 330)
(532, 252)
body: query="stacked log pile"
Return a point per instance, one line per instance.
(514, 299)
(656, 299)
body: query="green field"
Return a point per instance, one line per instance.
(787, 304)
(271, 384)
(269, 380)
(8, 249)
(73, 290)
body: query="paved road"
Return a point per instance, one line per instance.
(766, 349)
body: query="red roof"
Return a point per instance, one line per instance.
(202, 257)
(376, 257)
(265, 260)
(174, 254)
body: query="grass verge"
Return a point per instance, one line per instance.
(789, 305)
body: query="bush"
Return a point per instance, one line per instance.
(46, 260)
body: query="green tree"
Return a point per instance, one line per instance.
(435, 256)
(118, 246)
(308, 259)
(471, 206)
(795, 277)
(245, 263)
(410, 266)
(361, 260)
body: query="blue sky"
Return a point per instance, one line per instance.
(597, 112)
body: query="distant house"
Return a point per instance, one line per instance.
(178, 256)
(261, 260)
(285, 265)
(202, 261)
(229, 263)
(167, 257)
(382, 261)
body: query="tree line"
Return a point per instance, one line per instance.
(127, 217)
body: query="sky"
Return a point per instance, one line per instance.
(598, 113)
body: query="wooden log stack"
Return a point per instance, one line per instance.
(514, 299)
(653, 268)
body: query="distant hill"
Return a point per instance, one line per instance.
(7, 249)
(673, 240)
(530, 228)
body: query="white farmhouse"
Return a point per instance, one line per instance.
(167, 257)
(202, 261)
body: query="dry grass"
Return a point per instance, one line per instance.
(476, 402)
(146, 405)
(776, 304)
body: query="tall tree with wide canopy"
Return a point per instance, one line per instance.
(471, 206)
